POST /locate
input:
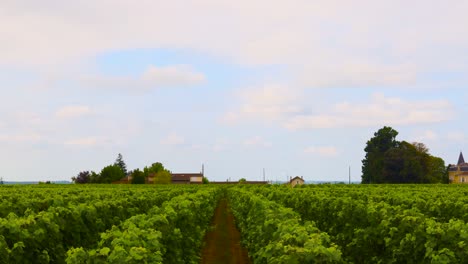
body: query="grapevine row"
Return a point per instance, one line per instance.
(45, 236)
(168, 234)
(275, 234)
(378, 231)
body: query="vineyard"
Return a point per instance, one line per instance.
(277, 224)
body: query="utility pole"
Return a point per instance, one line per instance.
(349, 176)
(263, 174)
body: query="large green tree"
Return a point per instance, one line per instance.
(161, 175)
(153, 169)
(404, 164)
(373, 163)
(94, 177)
(390, 161)
(438, 172)
(110, 174)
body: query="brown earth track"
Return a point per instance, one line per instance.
(222, 243)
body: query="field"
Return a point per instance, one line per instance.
(234, 224)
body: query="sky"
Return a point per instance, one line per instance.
(293, 87)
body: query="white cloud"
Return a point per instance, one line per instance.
(83, 142)
(360, 74)
(323, 151)
(20, 138)
(266, 103)
(257, 142)
(73, 111)
(427, 135)
(292, 110)
(380, 110)
(173, 139)
(152, 77)
(24, 127)
(360, 42)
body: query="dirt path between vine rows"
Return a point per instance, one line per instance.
(222, 243)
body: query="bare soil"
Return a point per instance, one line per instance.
(222, 243)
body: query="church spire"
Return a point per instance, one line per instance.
(461, 160)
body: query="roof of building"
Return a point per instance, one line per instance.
(184, 177)
(461, 160)
(296, 178)
(186, 174)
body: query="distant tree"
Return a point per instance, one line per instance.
(375, 149)
(421, 147)
(94, 177)
(242, 180)
(162, 177)
(82, 177)
(153, 169)
(390, 161)
(120, 162)
(411, 164)
(1, 180)
(404, 164)
(110, 174)
(205, 180)
(438, 172)
(138, 177)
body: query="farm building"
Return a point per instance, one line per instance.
(176, 178)
(296, 181)
(187, 178)
(459, 173)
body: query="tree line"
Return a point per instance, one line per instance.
(118, 170)
(388, 160)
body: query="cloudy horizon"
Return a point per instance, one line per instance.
(295, 87)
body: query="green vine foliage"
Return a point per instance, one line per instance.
(275, 234)
(166, 223)
(388, 224)
(44, 234)
(171, 233)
